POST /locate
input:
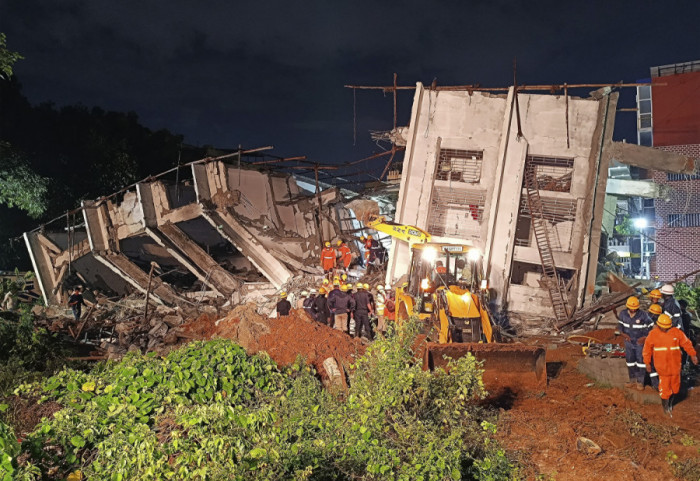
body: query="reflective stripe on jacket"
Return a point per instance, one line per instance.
(665, 347)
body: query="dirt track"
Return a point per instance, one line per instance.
(635, 438)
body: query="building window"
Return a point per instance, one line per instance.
(456, 213)
(460, 165)
(560, 215)
(670, 176)
(552, 173)
(683, 220)
(644, 116)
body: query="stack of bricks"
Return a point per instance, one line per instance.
(678, 245)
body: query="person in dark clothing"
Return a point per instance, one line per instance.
(283, 306)
(76, 301)
(341, 305)
(308, 305)
(363, 309)
(635, 325)
(671, 307)
(320, 307)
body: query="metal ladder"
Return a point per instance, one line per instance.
(556, 293)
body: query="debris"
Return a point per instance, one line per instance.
(586, 446)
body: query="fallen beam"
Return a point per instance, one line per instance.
(652, 159)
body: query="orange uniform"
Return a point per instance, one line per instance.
(345, 255)
(665, 349)
(328, 258)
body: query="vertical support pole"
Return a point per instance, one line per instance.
(320, 207)
(148, 289)
(566, 97)
(517, 105)
(239, 163)
(395, 108)
(177, 175)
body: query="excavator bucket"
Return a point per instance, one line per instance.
(514, 367)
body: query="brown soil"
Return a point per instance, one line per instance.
(25, 413)
(283, 339)
(542, 429)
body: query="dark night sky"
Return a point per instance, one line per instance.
(272, 73)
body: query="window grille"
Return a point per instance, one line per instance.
(460, 165)
(553, 173)
(456, 212)
(684, 220)
(670, 176)
(560, 213)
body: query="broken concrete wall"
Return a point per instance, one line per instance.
(224, 226)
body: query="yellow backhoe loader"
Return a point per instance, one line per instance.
(446, 289)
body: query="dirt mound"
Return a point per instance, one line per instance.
(283, 339)
(542, 431)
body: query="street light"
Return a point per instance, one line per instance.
(640, 223)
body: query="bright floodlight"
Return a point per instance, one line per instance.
(640, 223)
(429, 254)
(474, 255)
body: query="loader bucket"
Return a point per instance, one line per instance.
(515, 367)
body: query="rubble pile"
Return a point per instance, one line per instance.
(282, 338)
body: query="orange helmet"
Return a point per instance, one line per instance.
(664, 321)
(655, 294)
(655, 309)
(632, 303)
(362, 237)
(369, 236)
(322, 290)
(340, 243)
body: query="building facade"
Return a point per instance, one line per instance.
(669, 120)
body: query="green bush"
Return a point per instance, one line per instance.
(209, 411)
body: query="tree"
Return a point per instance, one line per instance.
(20, 186)
(7, 58)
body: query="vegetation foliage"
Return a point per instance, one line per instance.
(209, 411)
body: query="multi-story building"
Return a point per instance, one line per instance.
(669, 119)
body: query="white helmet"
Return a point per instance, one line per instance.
(314, 291)
(304, 293)
(668, 290)
(387, 287)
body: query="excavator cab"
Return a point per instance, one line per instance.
(446, 289)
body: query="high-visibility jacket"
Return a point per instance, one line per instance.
(665, 347)
(381, 303)
(345, 255)
(328, 258)
(637, 326)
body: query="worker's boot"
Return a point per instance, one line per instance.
(666, 404)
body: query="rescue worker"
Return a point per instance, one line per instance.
(76, 301)
(335, 291)
(375, 251)
(328, 258)
(663, 346)
(634, 326)
(320, 307)
(351, 323)
(343, 279)
(363, 310)
(362, 253)
(308, 304)
(325, 284)
(671, 307)
(390, 307)
(345, 254)
(283, 306)
(341, 305)
(381, 306)
(655, 296)
(655, 311)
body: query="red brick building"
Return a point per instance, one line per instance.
(672, 123)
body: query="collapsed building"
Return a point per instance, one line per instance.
(226, 230)
(523, 178)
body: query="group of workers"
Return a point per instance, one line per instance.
(653, 343)
(340, 257)
(346, 307)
